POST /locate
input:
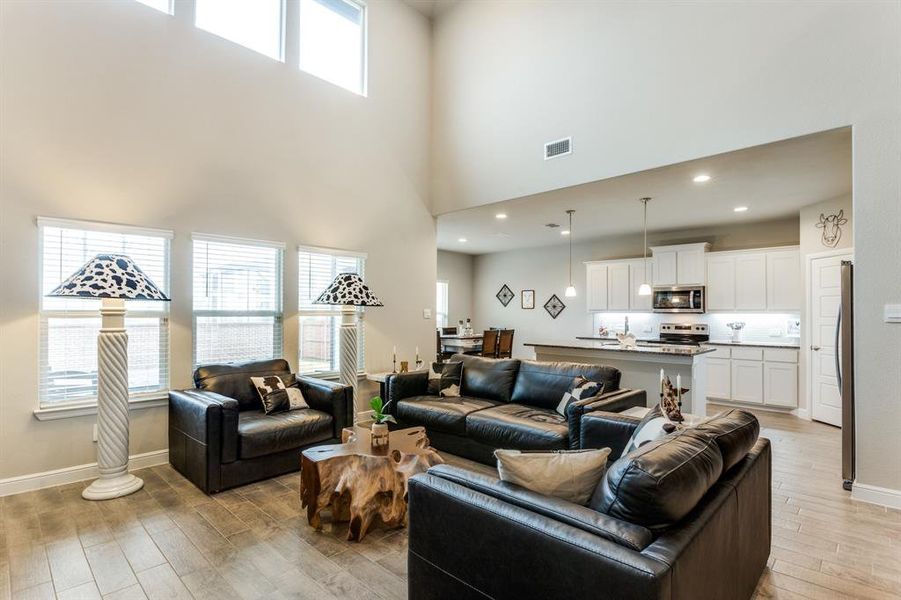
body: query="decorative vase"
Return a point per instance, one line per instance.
(379, 434)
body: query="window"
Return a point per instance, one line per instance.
(161, 5)
(69, 326)
(237, 299)
(320, 324)
(255, 24)
(333, 42)
(441, 304)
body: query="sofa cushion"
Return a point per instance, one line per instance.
(260, 434)
(520, 427)
(233, 379)
(544, 383)
(661, 482)
(488, 378)
(735, 432)
(440, 414)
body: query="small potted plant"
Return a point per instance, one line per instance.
(380, 422)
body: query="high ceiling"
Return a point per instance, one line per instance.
(431, 8)
(773, 181)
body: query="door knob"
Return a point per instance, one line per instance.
(815, 348)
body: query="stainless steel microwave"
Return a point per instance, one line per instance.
(679, 299)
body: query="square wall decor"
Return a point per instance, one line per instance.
(505, 295)
(554, 306)
(528, 299)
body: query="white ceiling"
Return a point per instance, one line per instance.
(431, 8)
(773, 181)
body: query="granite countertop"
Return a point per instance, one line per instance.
(789, 345)
(608, 347)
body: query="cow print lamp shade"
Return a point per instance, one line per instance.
(110, 276)
(348, 289)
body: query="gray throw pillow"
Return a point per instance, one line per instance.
(567, 474)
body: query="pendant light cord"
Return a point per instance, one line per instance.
(570, 247)
(645, 202)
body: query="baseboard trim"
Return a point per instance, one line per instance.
(802, 413)
(37, 481)
(873, 494)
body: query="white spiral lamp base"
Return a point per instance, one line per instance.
(349, 352)
(112, 408)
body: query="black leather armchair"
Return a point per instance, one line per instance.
(219, 436)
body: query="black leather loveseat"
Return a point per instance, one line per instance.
(683, 518)
(505, 403)
(219, 436)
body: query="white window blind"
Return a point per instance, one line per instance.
(69, 326)
(441, 304)
(237, 300)
(319, 345)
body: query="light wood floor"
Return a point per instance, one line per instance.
(171, 541)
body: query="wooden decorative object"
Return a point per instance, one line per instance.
(671, 401)
(359, 482)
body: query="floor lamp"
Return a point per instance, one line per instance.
(349, 292)
(113, 278)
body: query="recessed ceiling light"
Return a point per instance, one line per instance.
(462, 240)
(500, 216)
(740, 208)
(702, 178)
(564, 232)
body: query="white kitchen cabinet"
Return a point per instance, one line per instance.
(719, 378)
(596, 286)
(747, 381)
(720, 281)
(665, 267)
(618, 283)
(680, 265)
(750, 281)
(783, 280)
(780, 384)
(636, 278)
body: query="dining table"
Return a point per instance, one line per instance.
(463, 344)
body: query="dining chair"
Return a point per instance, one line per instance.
(490, 343)
(505, 343)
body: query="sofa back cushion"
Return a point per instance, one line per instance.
(488, 378)
(542, 384)
(233, 379)
(735, 432)
(661, 482)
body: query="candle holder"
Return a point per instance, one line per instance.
(394, 365)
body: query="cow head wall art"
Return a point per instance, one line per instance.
(832, 228)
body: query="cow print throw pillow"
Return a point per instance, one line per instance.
(579, 389)
(652, 427)
(451, 378)
(267, 385)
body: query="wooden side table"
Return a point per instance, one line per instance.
(359, 481)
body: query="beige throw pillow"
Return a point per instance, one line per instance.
(568, 474)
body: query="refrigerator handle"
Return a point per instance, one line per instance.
(838, 362)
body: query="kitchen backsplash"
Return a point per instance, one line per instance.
(759, 327)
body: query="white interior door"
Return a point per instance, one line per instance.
(825, 297)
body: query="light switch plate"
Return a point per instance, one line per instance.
(426, 313)
(893, 313)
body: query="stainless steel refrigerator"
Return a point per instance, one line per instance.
(844, 366)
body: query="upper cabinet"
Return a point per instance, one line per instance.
(640, 271)
(596, 286)
(679, 265)
(754, 280)
(613, 285)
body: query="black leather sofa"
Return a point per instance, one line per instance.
(505, 403)
(219, 436)
(699, 513)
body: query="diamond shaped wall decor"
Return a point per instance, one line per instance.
(554, 306)
(505, 295)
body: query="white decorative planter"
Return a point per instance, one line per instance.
(379, 434)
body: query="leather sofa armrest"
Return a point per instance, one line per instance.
(625, 534)
(405, 385)
(329, 397)
(601, 429)
(207, 417)
(615, 401)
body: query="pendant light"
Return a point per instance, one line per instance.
(571, 289)
(645, 288)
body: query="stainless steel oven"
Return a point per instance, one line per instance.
(679, 299)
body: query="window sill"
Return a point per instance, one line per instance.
(71, 411)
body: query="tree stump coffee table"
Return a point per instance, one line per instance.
(359, 481)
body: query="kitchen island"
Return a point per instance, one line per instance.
(640, 366)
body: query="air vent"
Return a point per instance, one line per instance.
(558, 148)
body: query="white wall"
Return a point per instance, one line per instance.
(113, 111)
(456, 269)
(811, 243)
(545, 270)
(640, 85)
